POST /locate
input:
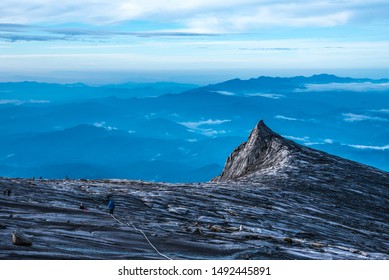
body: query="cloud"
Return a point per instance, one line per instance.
(106, 127)
(109, 33)
(196, 125)
(294, 138)
(268, 95)
(21, 102)
(12, 32)
(308, 142)
(228, 93)
(8, 27)
(268, 49)
(281, 117)
(203, 127)
(254, 17)
(350, 117)
(88, 35)
(29, 38)
(100, 12)
(376, 148)
(240, 30)
(212, 132)
(205, 15)
(384, 111)
(358, 87)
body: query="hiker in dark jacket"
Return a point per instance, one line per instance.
(111, 206)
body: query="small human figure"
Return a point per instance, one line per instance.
(9, 192)
(83, 207)
(111, 206)
(5, 191)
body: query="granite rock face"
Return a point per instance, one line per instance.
(274, 200)
(264, 151)
(267, 154)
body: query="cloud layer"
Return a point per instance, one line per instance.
(358, 87)
(205, 127)
(193, 35)
(200, 15)
(350, 117)
(376, 148)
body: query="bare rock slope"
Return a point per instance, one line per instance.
(264, 151)
(274, 200)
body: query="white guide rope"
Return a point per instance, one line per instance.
(147, 239)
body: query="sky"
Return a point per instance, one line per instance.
(192, 40)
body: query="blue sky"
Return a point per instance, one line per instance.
(174, 39)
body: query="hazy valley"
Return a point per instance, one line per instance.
(182, 133)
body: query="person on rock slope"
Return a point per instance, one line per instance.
(111, 206)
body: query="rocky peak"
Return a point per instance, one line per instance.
(264, 151)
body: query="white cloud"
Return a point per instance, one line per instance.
(102, 11)
(385, 111)
(307, 141)
(200, 15)
(204, 128)
(10, 101)
(363, 147)
(225, 92)
(294, 138)
(358, 87)
(276, 14)
(212, 132)
(281, 117)
(217, 55)
(268, 95)
(106, 127)
(109, 27)
(350, 117)
(312, 143)
(99, 124)
(196, 125)
(21, 102)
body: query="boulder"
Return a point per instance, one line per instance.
(19, 239)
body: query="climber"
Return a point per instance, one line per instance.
(83, 207)
(9, 192)
(5, 191)
(111, 206)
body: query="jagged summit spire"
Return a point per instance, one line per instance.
(262, 131)
(264, 149)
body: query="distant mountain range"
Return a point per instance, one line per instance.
(28, 92)
(270, 84)
(182, 133)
